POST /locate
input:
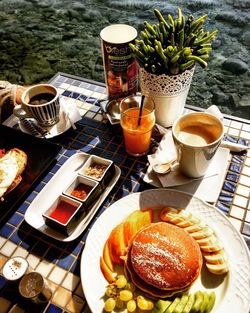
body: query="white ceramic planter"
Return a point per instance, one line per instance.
(169, 94)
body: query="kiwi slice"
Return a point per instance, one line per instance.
(173, 305)
(161, 306)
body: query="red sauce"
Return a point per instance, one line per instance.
(63, 211)
(81, 191)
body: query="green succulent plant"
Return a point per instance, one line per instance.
(174, 45)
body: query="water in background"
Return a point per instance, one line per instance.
(39, 38)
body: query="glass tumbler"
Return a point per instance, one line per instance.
(137, 124)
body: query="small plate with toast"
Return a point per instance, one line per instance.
(24, 160)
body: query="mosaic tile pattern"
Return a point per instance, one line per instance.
(59, 262)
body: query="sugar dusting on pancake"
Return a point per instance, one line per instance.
(165, 257)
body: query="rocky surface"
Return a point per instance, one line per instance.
(39, 38)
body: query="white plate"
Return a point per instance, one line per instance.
(59, 128)
(232, 291)
(54, 188)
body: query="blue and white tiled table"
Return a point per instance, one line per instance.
(60, 262)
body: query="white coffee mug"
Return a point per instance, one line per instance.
(197, 137)
(40, 102)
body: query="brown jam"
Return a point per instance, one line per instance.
(81, 191)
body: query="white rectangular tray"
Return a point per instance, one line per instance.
(54, 188)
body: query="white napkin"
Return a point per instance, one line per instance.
(71, 111)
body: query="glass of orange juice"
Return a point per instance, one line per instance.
(137, 129)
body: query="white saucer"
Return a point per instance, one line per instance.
(59, 128)
(208, 188)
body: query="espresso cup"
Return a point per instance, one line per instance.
(197, 137)
(40, 102)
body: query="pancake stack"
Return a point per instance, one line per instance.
(163, 260)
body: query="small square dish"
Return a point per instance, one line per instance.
(63, 215)
(99, 169)
(84, 189)
(41, 157)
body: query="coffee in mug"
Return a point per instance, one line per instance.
(197, 137)
(40, 102)
(41, 98)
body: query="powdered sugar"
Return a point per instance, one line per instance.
(160, 256)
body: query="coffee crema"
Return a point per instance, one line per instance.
(41, 98)
(196, 135)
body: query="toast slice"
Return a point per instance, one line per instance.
(13, 164)
(21, 158)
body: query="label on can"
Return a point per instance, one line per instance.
(121, 69)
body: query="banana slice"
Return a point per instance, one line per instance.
(212, 248)
(164, 214)
(196, 227)
(207, 241)
(173, 215)
(188, 222)
(215, 258)
(179, 218)
(175, 218)
(205, 232)
(218, 269)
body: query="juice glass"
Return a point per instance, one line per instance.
(137, 129)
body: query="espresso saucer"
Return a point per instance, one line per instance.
(59, 128)
(112, 110)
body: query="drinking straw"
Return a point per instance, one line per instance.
(141, 107)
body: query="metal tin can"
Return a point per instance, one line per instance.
(35, 288)
(120, 67)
